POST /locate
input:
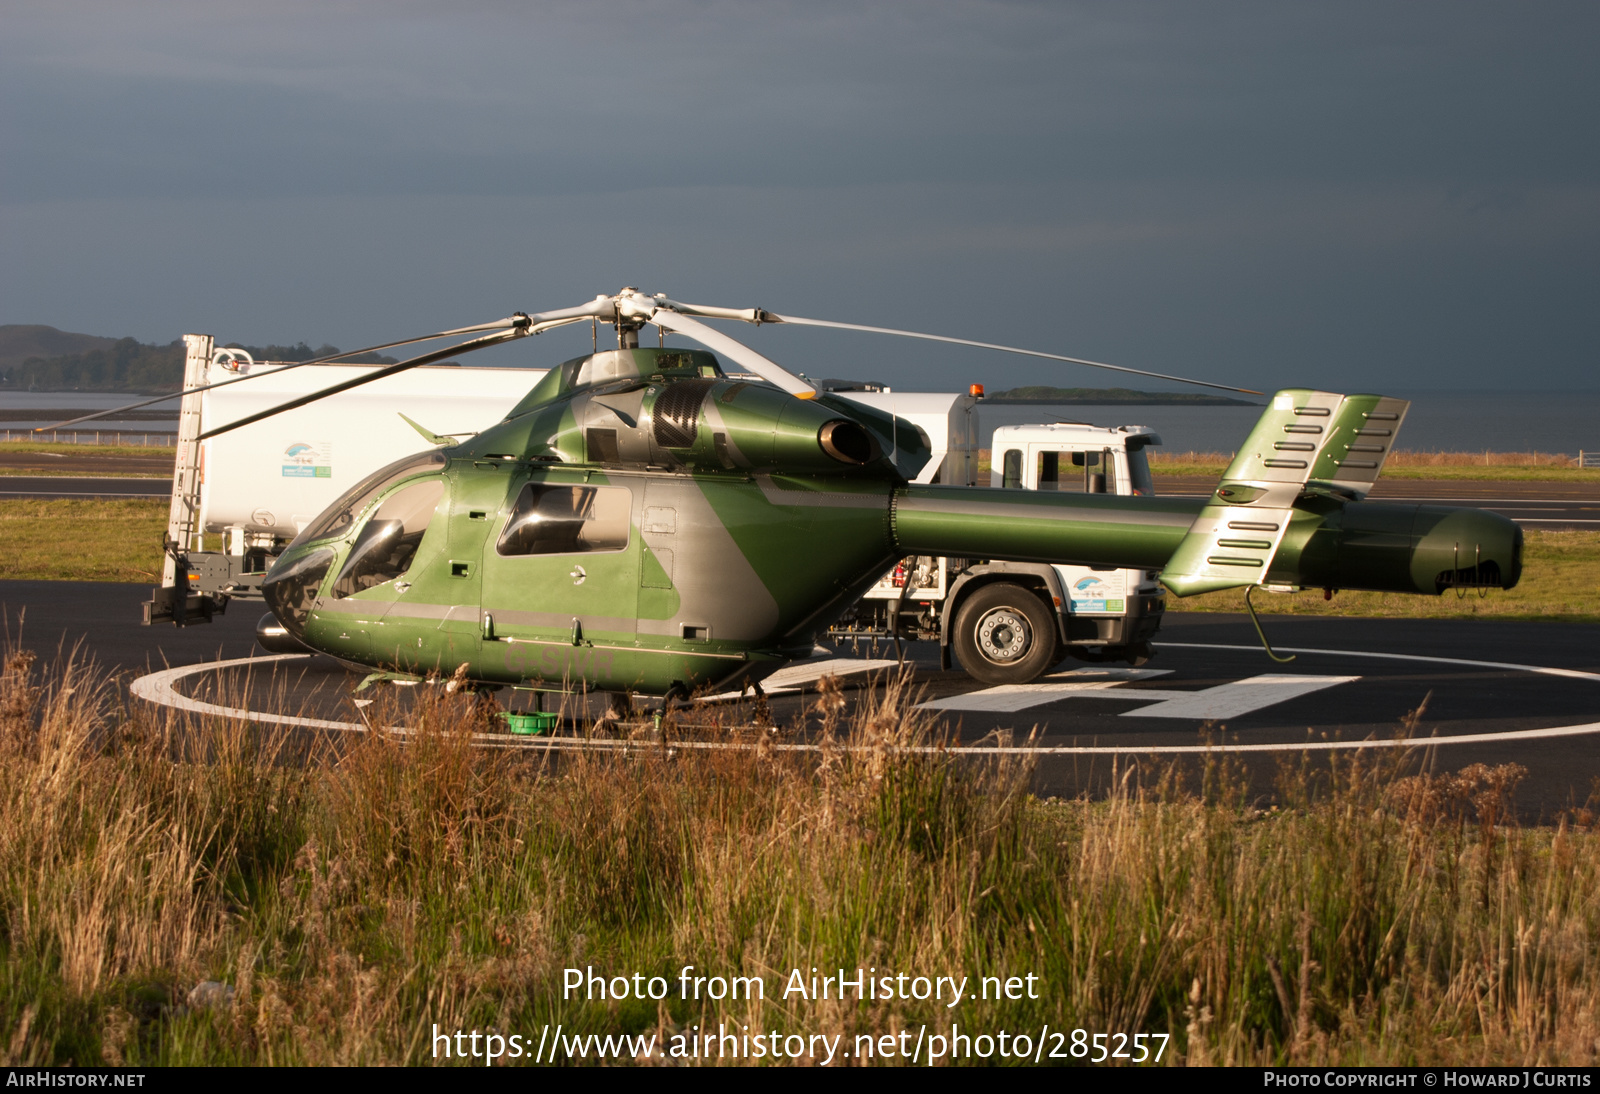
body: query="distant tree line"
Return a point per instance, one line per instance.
(131, 365)
(1110, 396)
(302, 352)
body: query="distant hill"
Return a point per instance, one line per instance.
(1111, 396)
(20, 341)
(43, 358)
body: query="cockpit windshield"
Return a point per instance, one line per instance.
(617, 366)
(337, 518)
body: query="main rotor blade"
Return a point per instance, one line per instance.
(714, 339)
(498, 325)
(769, 317)
(424, 359)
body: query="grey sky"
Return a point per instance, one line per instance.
(1389, 196)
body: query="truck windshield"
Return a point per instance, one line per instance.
(1139, 466)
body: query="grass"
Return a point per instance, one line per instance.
(1560, 583)
(86, 449)
(80, 473)
(354, 897)
(82, 539)
(1434, 466)
(60, 468)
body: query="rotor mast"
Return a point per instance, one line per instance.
(629, 319)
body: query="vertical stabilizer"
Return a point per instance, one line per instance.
(1305, 438)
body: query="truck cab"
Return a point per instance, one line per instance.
(1009, 622)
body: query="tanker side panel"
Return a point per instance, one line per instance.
(273, 477)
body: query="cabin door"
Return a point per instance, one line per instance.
(560, 580)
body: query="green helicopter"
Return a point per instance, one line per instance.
(644, 522)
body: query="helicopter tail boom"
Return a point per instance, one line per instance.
(1325, 541)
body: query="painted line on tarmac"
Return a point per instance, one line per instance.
(1572, 673)
(1238, 698)
(157, 688)
(1085, 683)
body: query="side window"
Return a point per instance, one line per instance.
(1078, 472)
(1012, 470)
(1049, 471)
(385, 547)
(1099, 471)
(555, 519)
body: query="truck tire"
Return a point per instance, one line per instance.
(1004, 635)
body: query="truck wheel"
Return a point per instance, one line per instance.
(1004, 635)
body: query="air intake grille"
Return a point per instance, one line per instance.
(677, 412)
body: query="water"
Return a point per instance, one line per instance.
(1473, 421)
(1440, 421)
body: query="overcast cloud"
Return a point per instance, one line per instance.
(1346, 195)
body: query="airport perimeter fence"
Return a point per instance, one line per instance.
(1588, 459)
(121, 437)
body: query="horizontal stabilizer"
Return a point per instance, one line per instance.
(430, 435)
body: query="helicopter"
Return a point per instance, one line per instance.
(647, 522)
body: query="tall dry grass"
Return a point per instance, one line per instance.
(354, 893)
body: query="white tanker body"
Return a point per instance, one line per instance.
(272, 478)
(259, 485)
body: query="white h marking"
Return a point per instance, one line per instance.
(1223, 701)
(1009, 698)
(1239, 697)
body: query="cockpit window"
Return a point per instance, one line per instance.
(617, 366)
(384, 549)
(551, 519)
(337, 518)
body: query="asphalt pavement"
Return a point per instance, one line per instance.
(1487, 692)
(63, 486)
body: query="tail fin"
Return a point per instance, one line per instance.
(1305, 439)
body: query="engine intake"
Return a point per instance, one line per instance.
(847, 442)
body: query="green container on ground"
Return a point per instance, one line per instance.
(529, 724)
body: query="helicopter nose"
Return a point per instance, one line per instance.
(291, 587)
